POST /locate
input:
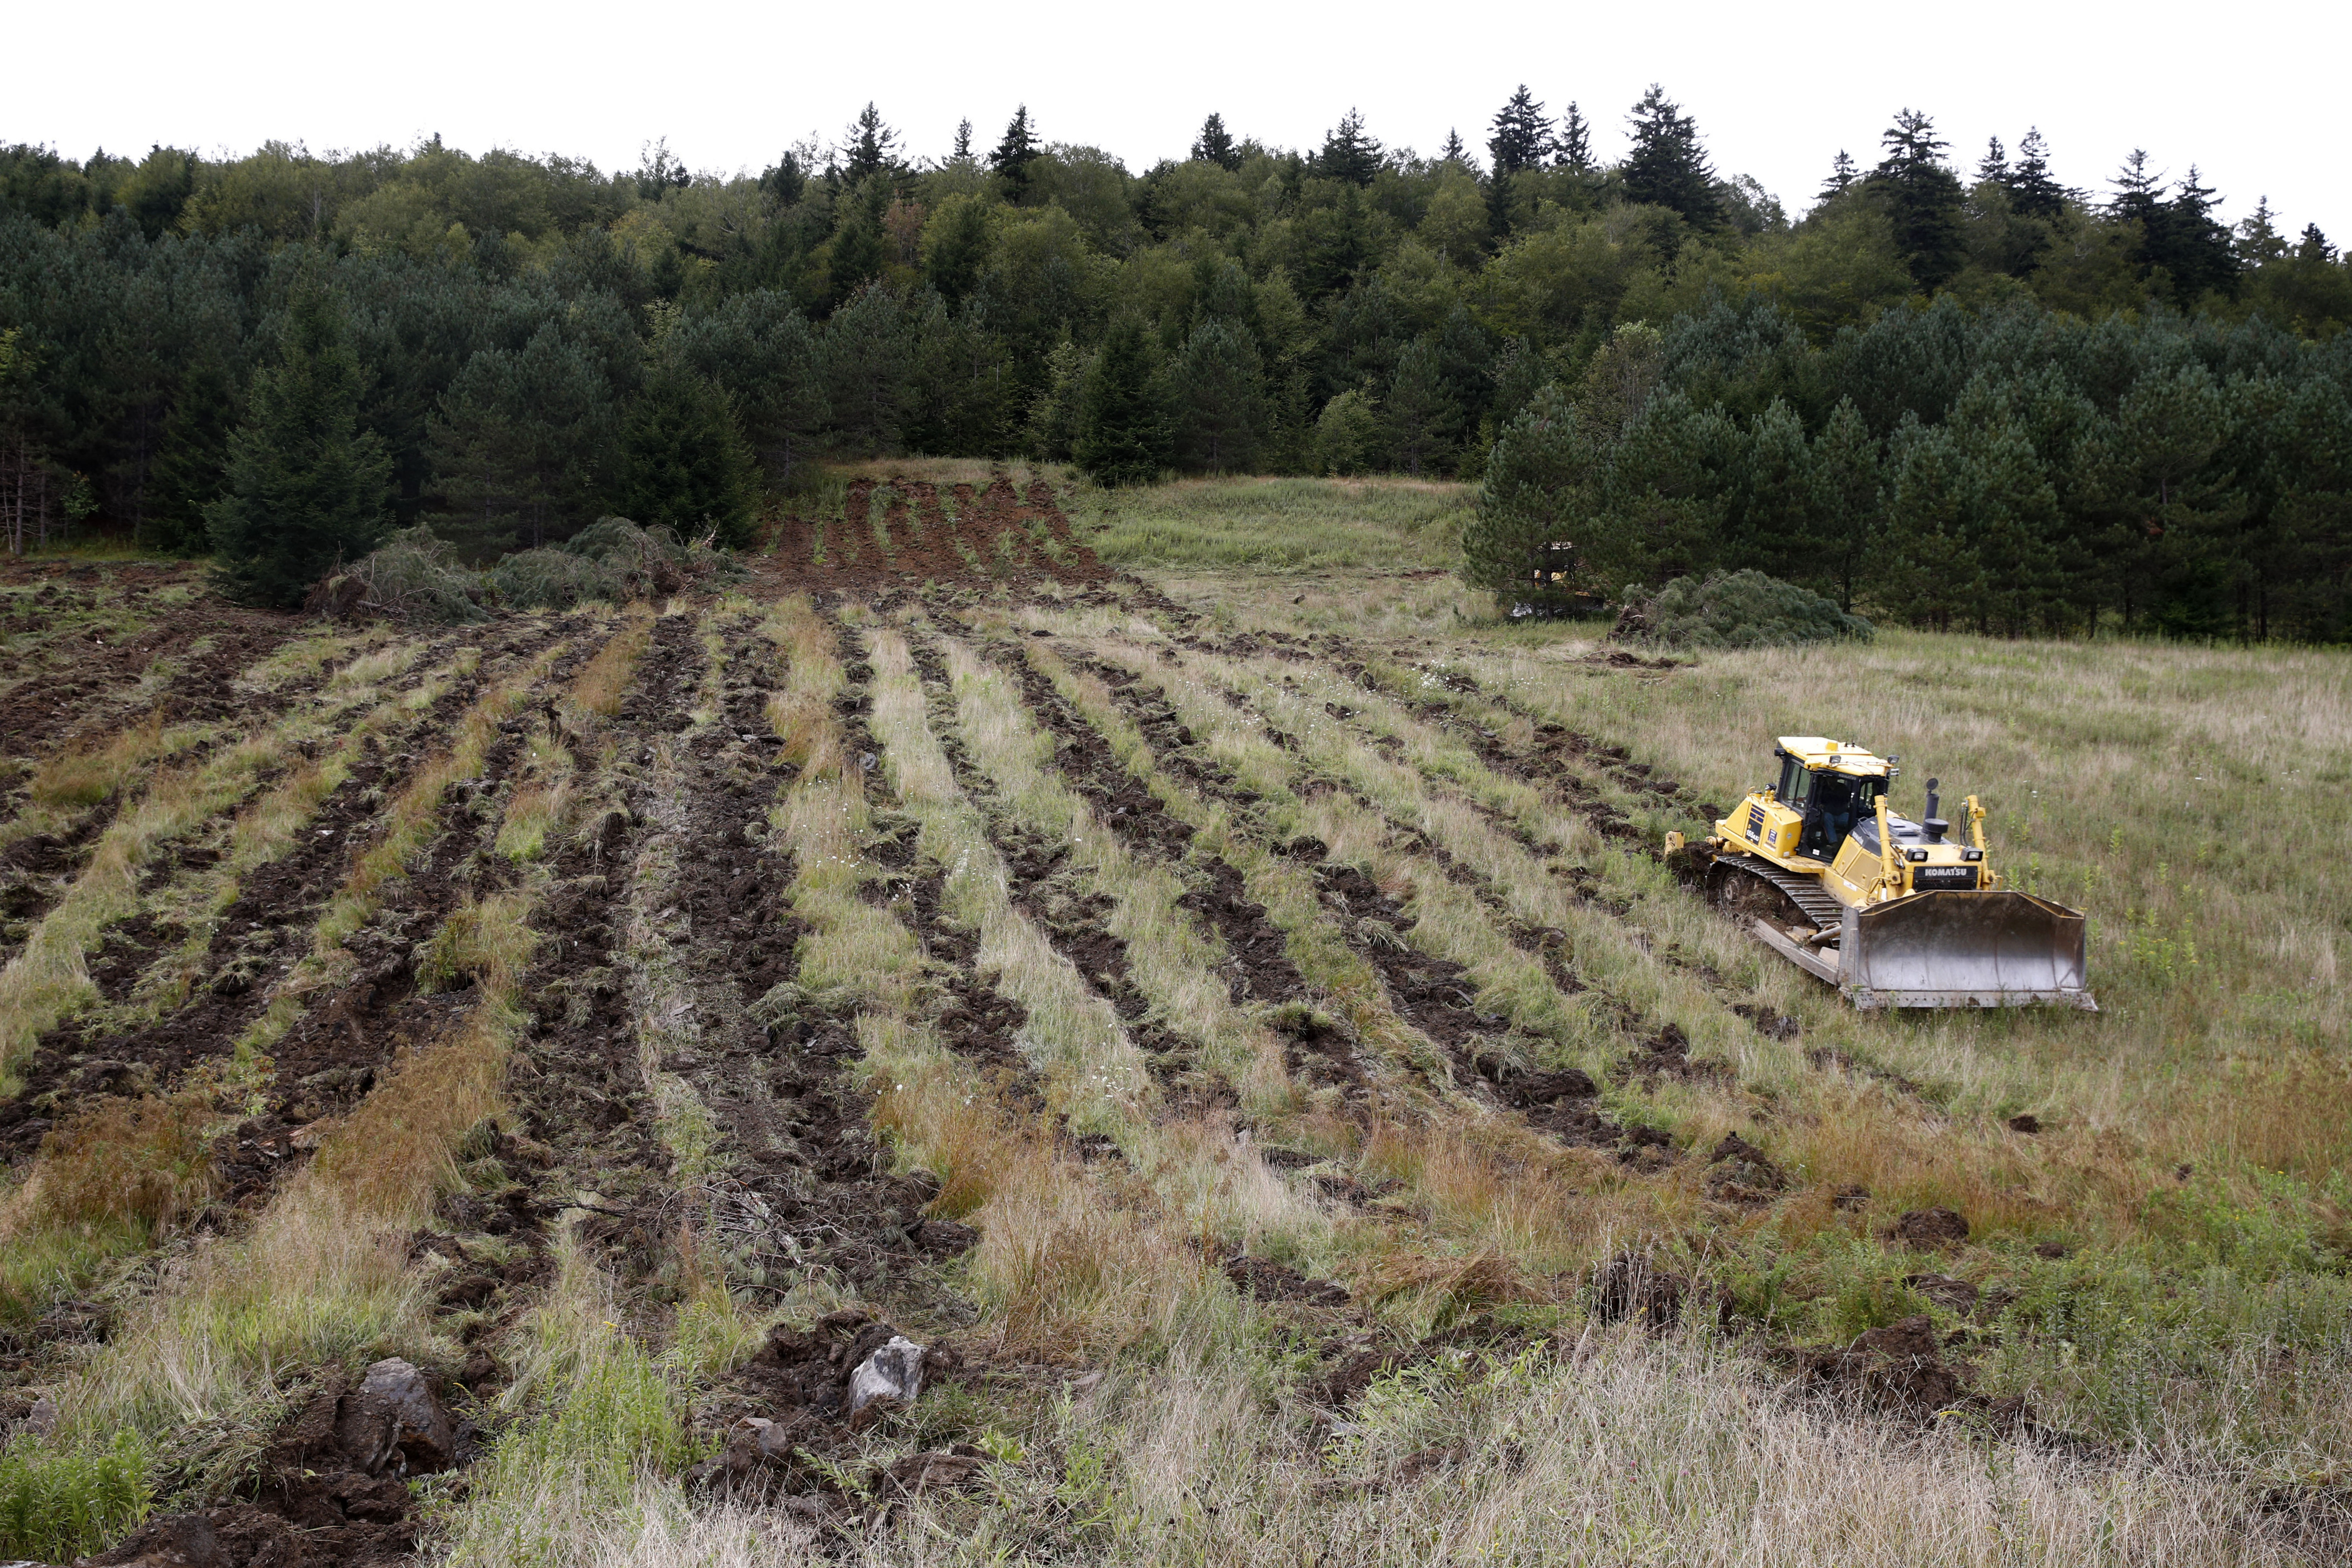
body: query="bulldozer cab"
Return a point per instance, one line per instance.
(1832, 801)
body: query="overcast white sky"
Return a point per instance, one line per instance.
(2253, 93)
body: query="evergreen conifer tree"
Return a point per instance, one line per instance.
(1522, 135)
(873, 147)
(2193, 245)
(2139, 194)
(2258, 241)
(1014, 154)
(1923, 200)
(1666, 167)
(1122, 436)
(1455, 150)
(1842, 176)
(306, 487)
(1572, 148)
(1220, 397)
(685, 462)
(1538, 490)
(1994, 165)
(1215, 143)
(1420, 412)
(518, 440)
(191, 463)
(785, 180)
(1348, 153)
(1846, 497)
(962, 140)
(2033, 193)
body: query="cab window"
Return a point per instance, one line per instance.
(1796, 784)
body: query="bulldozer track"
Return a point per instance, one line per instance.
(1817, 906)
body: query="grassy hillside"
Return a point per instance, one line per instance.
(1237, 1021)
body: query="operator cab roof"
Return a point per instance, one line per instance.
(1823, 754)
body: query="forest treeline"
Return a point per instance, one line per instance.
(2008, 469)
(510, 346)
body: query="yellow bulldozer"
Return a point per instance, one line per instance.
(1894, 914)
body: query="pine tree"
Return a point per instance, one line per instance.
(786, 180)
(1923, 200)
(306, 487)
(2258, 241)
(962, 149)
(191, 463)
(2031, 191)
(1220, 397)
(2314, 245)
(1348, 153)
(2194, 246)
(518, 440)
(1994, 165)
(1122, 426)
(1842, 177)
(856, 254)
(1522, 135)
(686, 464)
(1572, 148)
(1846, 495)
(873, 147)
(1014, 154)
(1422, 414)
(1215, 144)
(1454, 152)
(1666, 167)
(1538, 492)
(2139, 194)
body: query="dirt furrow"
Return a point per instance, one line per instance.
(36, 869)
(260, 938)
(979, 1021)
(79, 694)
(1432, 994)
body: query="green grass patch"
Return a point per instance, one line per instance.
(1282, 524)
(58, 1503)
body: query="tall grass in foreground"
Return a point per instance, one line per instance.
(1627, 1451)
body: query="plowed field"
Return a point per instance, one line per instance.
(1249, 1042)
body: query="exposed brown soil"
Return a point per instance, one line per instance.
(331, 1489)
(996, 537)
(77, 694)
(328, 1061)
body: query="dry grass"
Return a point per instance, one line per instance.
(601, 685)
(85, 775)
(484, 941)
(146, 1162)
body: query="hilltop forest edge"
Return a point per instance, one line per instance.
(1989, 400)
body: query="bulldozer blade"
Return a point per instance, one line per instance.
(1952, 948)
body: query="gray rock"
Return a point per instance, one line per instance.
(893, 1372)
(394, 1425)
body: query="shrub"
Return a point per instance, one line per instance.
(415, 576)
(411, 577)
(552, 580)
(1732, 609)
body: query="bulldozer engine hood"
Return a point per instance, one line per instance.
(1907, 833)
